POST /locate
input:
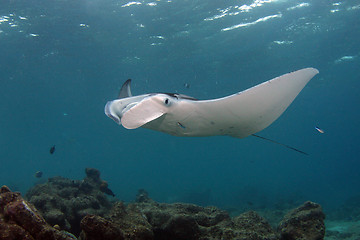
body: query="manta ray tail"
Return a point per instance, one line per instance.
(273, 141)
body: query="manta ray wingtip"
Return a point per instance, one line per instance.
(311, 70)
(316, 71)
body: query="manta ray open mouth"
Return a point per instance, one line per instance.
(109, 113)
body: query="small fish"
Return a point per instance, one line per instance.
(52, 149)
(38, 174)
(187, 85)
(319, 130)
(109, 192)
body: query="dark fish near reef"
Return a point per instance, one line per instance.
(104, 188)
(250, 203)
(52, 149)
(109, 192)
(38, 174)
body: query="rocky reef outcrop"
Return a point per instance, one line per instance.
(64, 202)
(82, 208)
(19, 219)
(147, 219)
(303, 223)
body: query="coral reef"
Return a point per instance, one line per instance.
(305, 222)
(20, 220)
(97, 227)
(82, 208)
(65, 202)
(147, 219)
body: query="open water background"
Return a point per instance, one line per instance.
(62, 60)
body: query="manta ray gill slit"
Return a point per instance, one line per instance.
(180, 125)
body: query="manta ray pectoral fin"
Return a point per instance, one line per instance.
(259, 106)
(145, 111)
(125, 90)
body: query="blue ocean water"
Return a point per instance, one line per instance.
(62, 60)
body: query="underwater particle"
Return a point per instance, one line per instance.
(38, 174)
(84, 25)
(131, 3)
(344, 59)
(52, 150)
(319, 130)
(187, 85)
(283, 42)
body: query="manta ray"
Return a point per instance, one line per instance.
(239, 115)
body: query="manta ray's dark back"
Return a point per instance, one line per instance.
(125, 92)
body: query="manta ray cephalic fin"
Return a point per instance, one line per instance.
(147, 110)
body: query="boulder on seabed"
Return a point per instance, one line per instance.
(303, 223)
(19, 219)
